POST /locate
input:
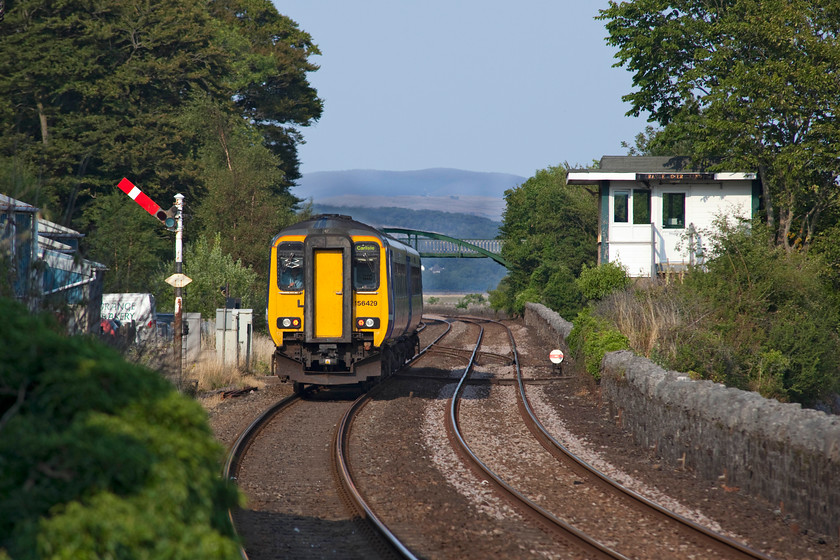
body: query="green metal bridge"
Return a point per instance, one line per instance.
(430, 244)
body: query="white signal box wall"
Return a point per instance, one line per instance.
(234, 337)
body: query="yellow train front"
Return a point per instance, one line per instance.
(344, 302)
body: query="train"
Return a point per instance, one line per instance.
(344, 303)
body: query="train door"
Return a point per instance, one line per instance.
(329, 293)
(328, 309)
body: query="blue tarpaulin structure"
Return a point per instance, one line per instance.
(46, 268)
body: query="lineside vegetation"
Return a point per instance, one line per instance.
(101, 458)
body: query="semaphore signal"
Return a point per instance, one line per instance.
(173, 219)
(167, 217)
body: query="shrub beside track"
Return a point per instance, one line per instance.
(99, 457)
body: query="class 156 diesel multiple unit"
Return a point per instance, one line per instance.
(344, 302)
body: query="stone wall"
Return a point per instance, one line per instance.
(547, 324)
(780, 452)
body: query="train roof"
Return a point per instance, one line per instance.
(330, 223)
(339, 223)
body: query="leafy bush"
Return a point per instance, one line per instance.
(100, 458)
(759, 302)
(211, 269)
(531, 295)
(470, 299)
(755, 317)
(591, 338)
(598, 282)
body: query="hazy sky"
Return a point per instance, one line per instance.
(510, 87)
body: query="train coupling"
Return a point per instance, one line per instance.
(328, 354)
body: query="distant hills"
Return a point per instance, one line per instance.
(463, 204)
(450, 190)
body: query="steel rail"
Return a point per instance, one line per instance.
(342, 465)
(722, 542)
(581, 540)
(240, 446)
(345, 477)
(244, 440)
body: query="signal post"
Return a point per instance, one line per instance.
(178, 281)
(173, 220)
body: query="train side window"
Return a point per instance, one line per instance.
(290, 266)
(365, 266)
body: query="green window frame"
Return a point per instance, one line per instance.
(621, 207)
(641, 206)
(673, 210)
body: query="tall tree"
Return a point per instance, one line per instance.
(748, 84)
(240, 173)
(93, 91)
(271, 87)
(550, 232)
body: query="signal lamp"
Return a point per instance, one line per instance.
(288, 322)
(367, 323)
(168, 217)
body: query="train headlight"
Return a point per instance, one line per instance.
(288, 322)
(367, 322)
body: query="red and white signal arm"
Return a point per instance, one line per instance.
(556, 356)
(167, 217)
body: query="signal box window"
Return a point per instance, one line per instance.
(620, 206)
(365, 266)
(641, 206)
(673, 210)
(290, 266)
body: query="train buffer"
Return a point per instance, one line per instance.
(437, 245)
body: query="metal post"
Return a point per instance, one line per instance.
(179, 301)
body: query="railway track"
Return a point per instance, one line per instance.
(378, 541)
(312, 517)
(672, 531)
(400, 533)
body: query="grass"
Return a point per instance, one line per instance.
(207, 374)
(210, 374)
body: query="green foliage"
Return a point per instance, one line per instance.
(203, 99)
(598, 282)
(245, 197)
(503, 297)
(757, 318)
(99, 457)
(591, 338)
(528, 295)
(470, 299)
(129, 241)
(210, 269)
(744, 85)
(553, 285)
(550, 230)
(270, 84)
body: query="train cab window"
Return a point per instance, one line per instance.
(365, 266)
(290, 266)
